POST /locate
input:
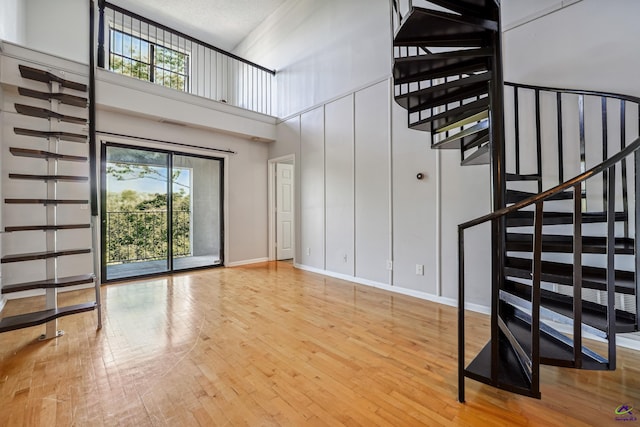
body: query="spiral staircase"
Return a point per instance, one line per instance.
(564, 182)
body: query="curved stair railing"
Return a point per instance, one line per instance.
(563, 260)
(521, 341)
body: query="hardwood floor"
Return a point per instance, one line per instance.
(267, 345)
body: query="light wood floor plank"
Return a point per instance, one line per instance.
(269, 345)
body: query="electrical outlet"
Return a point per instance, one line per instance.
(389, 265)
(344, 258)
(308, 251)
(419, 269)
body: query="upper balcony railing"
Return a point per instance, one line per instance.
(135, 46)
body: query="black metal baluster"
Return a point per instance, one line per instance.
(535, 298)
(577, 276)
(611, 277)
(625, 184)
(583, 155)
(538, 141)
(604, 151)
(560, 142)
(517, 128)
(461, 361)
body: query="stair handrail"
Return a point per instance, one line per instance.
(576, 91)
(538, 200)
(629, 149)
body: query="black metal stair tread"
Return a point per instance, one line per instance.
(39, 317)
(50, 283)
(456, 140)
(10, 229)
(71, 178)
(479, 157)
(555, 272)
(552, 351)
(65, 98)
(514, 196)
(519, 242)
(477, 39)
(452, 90)
(593, 314)
(47, 201)
(41, 154)
(46, 77)
(421, 22)
(437, 65)
(525, 218)
(42, 255)
(43, 113)
(65, 136)
(511, 376)
(446, 118)
(523, 177)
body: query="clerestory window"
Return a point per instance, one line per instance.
(146, 60)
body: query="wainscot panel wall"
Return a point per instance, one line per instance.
(339, 168)
(312, 188)
(373, 186)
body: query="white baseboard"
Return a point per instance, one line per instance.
(397, 289)
(3, 302)
(631, 340)
(246, 262)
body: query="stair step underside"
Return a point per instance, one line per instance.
(68, 178)
(453, 115)
(481, 156)
(39, 317)
(64, 98)
(427, 23)
(50, 283)
(43, 113)
(511, 375)
(477, 39)
(47, 77)
(64, 136)
(479, 8)
(422, 100)
(515, 196)
(428, 67)
(46, 201)
(593, 315)
(555, 348)
(562, 274)
(522, 242)
(11, 229)
(33, 256)
(454, 141)
(525, 218)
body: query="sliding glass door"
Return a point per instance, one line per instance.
(161, 212)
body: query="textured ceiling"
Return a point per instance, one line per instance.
(222, 23)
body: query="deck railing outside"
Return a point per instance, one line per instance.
(134, 236)
(132, 45)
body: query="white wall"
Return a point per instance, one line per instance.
(321, 49)
(12, 21)
(59, 27)
(587, 45)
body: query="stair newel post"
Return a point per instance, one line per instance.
(93, 185)
(535, 299)
(461, 360)
(577, 276)
(636, 202)
(611, 273)
(498, 184)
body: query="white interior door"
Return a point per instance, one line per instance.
(284, 211)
